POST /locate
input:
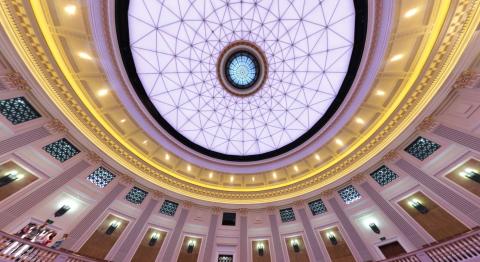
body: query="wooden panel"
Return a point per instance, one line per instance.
(437, 222)
(15, 186)
(146, 253)
(339, 252)
(300, 256)
(189, 257)
(465, 182)
(266, 251)
(99, 244)
(393, 249)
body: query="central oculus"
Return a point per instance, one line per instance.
(242, 68)
(241, 80)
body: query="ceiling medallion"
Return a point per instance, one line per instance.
(242, 68)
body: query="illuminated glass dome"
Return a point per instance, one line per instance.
(311, 54)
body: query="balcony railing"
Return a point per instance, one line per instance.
(13, 248)
(463, 248)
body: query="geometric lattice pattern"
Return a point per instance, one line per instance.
(136, 195)
(101, 177)
(349, 194)
(422, 148)
(176, 44)
(62, 150)
(384, 175)
(169, 208)
(287, 215)
(317, 207)
(242, 70)
(18, 110)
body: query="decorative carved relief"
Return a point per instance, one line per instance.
(358, 179)
(468, 79)
(243, 211)
(14, 80)
(428, 124)
(299, 204)
(391, 156)
(216, 210)
(327, 194)
(56, 127)
(126, 180)
(157, 195)
(187, 204)
(93, 158)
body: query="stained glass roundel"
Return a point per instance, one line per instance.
(242, 70)
(312, 50)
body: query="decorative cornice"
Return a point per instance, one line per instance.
(93, 158)
(391, 156)
(468, 79)
(56, 127)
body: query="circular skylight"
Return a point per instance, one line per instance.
(175, 45)
(242, 70)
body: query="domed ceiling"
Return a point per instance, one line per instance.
(241, 80)
(298, 116)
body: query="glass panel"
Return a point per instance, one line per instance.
(101, 177)
(287, 215)
(349, 194)
(317, 207)
(62, 150)
(422, 148)
(384, 175)
(18, 110)
(136, 195)
(168, 208)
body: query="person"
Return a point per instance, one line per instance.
(48, 239)
(59, 243)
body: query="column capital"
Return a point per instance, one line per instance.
(187, 204)
(391, 156)
(216, 210)
(358, 179)
(243, 211)
(126, 180)
(157, 195)
(299, 203)
(55, 126)
(467, 79)
(271, 210)
(93, 158)
(428, 124)
(327, 193)
(14, 80)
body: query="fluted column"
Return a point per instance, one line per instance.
(243, 235)
(128, 243)
(212, 229)
(27, 137)
(458, 137)
(276, 240)
(30, 200)
(309, 232)
(350, 230)
(82, 227)
(176, 233)
(407, 229)
(469, 208)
